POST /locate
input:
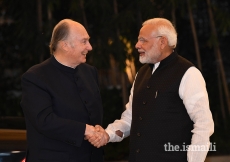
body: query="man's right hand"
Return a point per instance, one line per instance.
(102, 138)
(91, 133)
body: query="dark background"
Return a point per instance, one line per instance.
(113, 25)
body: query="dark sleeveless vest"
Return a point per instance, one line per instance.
(159, 117)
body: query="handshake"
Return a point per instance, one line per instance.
(97, 136)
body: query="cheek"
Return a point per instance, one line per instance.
(148, 48)
(81, 49)
(77, 52)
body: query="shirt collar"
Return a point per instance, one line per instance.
(165, 61)
(63, 67)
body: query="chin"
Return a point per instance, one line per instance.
(142, 60)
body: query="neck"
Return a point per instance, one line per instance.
(62, 60)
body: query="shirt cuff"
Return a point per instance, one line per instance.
(113, 137)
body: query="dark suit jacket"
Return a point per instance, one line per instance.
(57, 102)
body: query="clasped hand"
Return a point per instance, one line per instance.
(97, 136)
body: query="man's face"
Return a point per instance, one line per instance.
(79, 44)
(148, 45)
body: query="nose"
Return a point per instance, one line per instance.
(138, 45)
(89, 47)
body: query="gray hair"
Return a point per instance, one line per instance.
(164, 28)
(60, 32)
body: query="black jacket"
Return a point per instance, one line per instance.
(57, 102)
(159, 117)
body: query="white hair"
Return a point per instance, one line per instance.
(164, 28)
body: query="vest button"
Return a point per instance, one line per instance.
(140, 118)
(138, 150)
(148, 86)
(138, 134)
(144, 102)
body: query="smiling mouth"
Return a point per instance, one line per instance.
(141, 53)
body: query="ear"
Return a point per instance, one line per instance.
(64, 45)
(163, 42)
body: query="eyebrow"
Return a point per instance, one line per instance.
(139, 38)
(85, 39)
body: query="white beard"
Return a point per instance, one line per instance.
(151, 56)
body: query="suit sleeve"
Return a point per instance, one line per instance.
(37, 107)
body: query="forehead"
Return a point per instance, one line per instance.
(147, 30)
(78, 31)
